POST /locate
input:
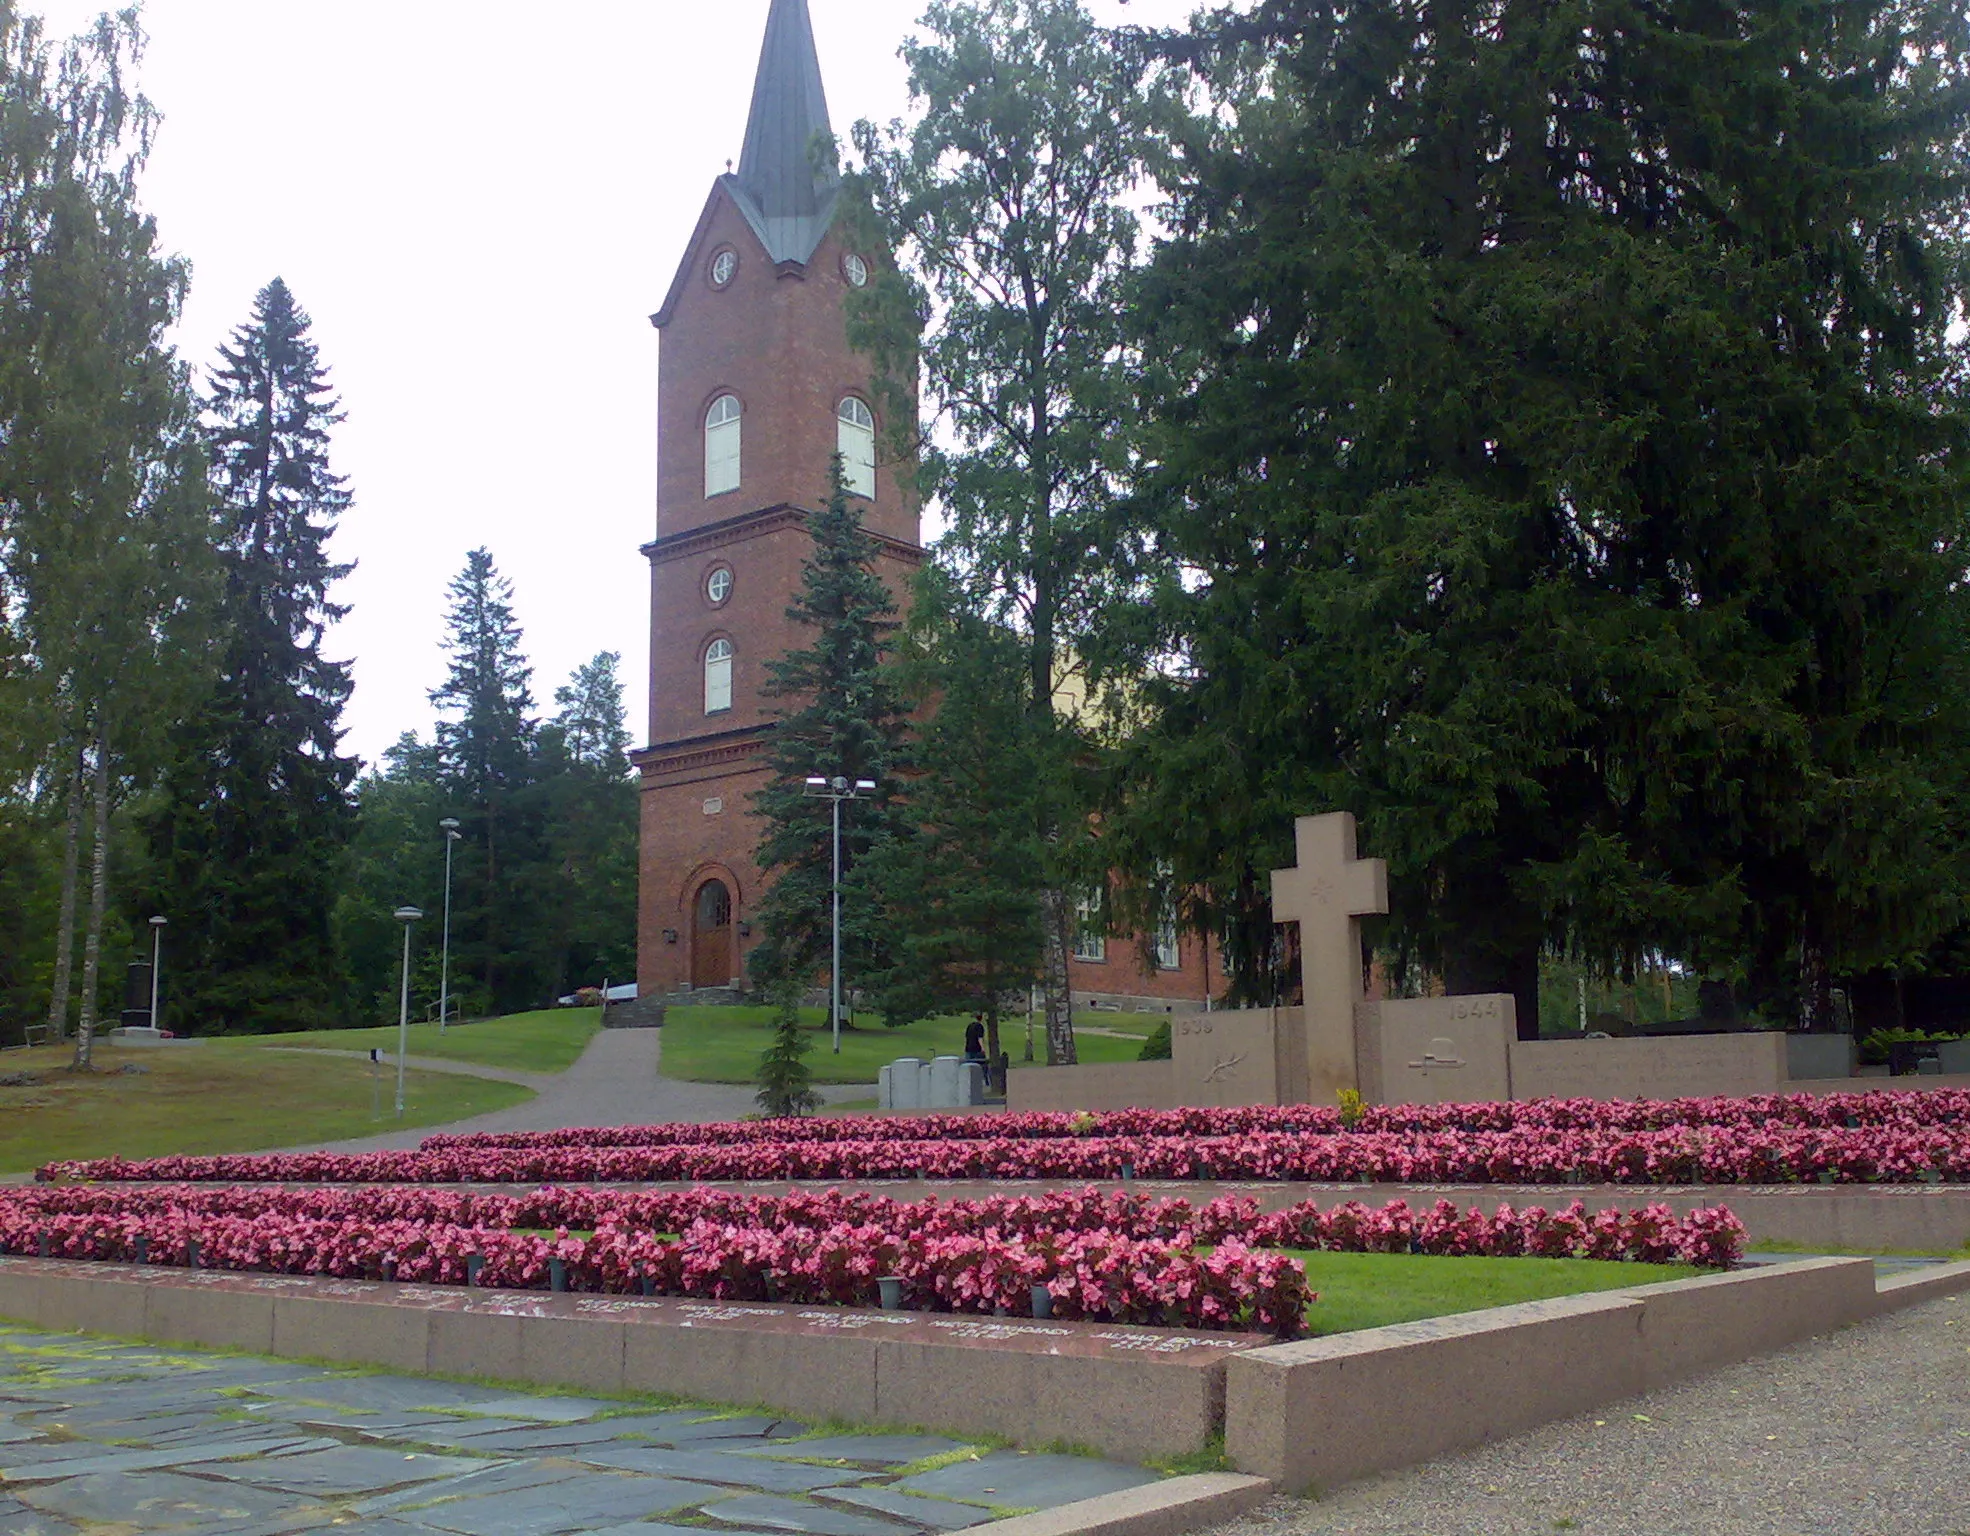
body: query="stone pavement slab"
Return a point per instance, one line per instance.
(345, 1469)
(709, 1466)
(931, 1514)
(155, 1501)
(578, 1505)
(1007, 1478)
(894, 1449)
(766, 1512)
(216, 1445)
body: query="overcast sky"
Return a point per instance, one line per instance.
(479, 205)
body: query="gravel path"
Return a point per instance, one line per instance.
(1865, 1432)
(614, 1082)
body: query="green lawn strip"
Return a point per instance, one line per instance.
(1834, 1250)
(547, 1040)
(1372, 1290)
(705, 1044)
(216, 1096)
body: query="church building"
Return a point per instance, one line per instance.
(757, 388)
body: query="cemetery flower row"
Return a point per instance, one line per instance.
(1906, 1111)
(736, 1240)
(1775, 1154)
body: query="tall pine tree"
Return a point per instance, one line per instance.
(249, 837)
(842, 717)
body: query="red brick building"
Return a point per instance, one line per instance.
(756, 388)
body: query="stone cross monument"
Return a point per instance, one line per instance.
(1327, 895)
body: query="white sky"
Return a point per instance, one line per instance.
(479, 205)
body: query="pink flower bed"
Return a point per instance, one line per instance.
(1901, 1111)
(1774, 1153)
(1108, 1256)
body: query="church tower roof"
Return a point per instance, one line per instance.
(787, 200)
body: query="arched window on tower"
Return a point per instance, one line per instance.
(856, 436)
(722, 446)
(718, 676)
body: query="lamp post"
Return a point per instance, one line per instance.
(406, 916)
(450, 826)
(156, 959)
(837, 789)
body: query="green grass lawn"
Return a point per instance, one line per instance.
(215, 1096)
(723, 1045)
(544, 1041)
(1370, 1290)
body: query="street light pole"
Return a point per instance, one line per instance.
(836, 789)
(834, 967)
(406, 916)
(450, 825)
(156, 959)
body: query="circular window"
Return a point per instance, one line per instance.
(855, 269)
(718, 585)
(723, 265)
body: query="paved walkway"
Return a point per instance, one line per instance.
(1865, 1432)
(615, 1081)
(99, 1436)
(538, 1081)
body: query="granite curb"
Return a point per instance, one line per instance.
(1168, 1508)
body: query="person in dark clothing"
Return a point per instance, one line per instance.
(974, 1041)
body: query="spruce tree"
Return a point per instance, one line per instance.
(590, 811)
(964, 894)
(256, 816)
(784, 1080)
(841, 717)
(1562, 465)
(486, 763)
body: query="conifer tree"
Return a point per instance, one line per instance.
(486, 762)
(964, 895)
(784, 1080)
(590, 814)
(256, 816)
(841, 716)
(1562, 465)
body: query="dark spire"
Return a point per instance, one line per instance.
(789, 202)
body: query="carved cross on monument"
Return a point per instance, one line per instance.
(1327, 895)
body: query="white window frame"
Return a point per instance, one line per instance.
(1090, 942)
(1169, 953)
(718, 676)
(722, 445)
(855, 437)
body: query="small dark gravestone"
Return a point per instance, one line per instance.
(1715, 1005)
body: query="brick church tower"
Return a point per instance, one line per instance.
(756, 388)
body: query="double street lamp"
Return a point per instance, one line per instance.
(450, 826)
(406, 916)
(837, 789)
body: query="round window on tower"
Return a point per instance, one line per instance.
(723, 265)
(855, 269)
(718, 585)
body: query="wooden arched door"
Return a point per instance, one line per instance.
(711, 936)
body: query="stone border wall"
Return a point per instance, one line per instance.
(1321, 1412)
(1309, 1414)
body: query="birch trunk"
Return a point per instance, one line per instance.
(65, 937)
(92, 945)
(1057, 914)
